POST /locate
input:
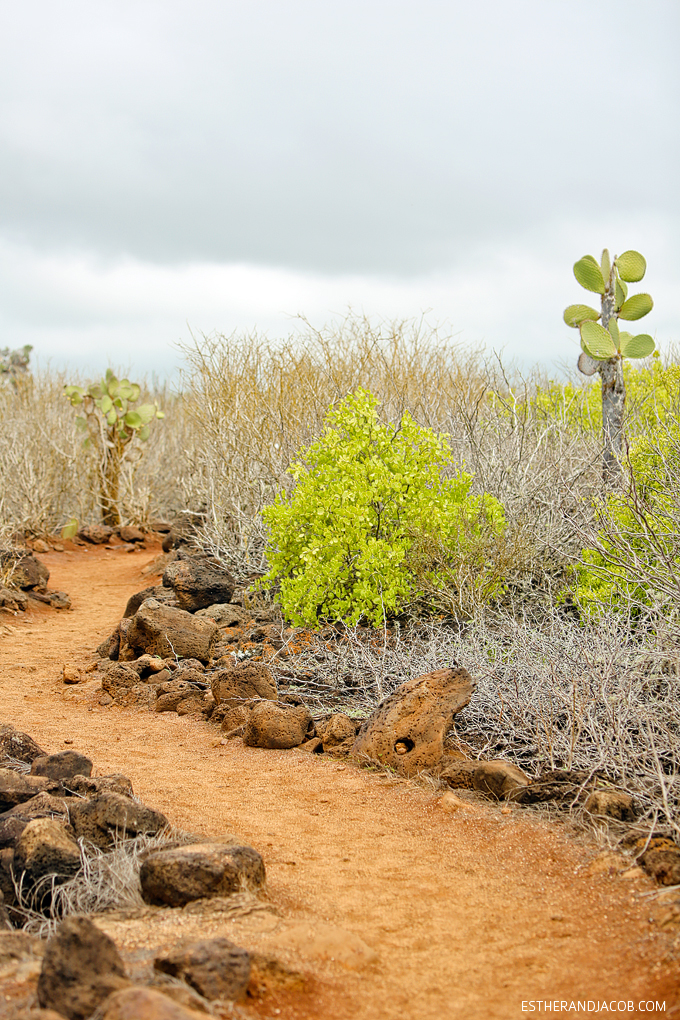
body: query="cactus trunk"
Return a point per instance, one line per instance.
(110, 481)
(613, 399)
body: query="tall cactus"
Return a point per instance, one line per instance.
(111, 423)
(604, 345)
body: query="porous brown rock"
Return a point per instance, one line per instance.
(198, 582)
(406, 731)
(337, 733)
(106, 815)
(30, 573)
(80, 969)
(18, 745)
(138, 1003)
(177, 876)
(16, 789)
(86, 786)
(46, 848)
(171, 693)
(96, 534)
(156, 591)
(119, 676)
(12, 600)
(276, 725)
(233, 717)
(11, 827)
(498, 779)
(62, 765)
(662, 863)
(43, 805)
(215, 968)
(128, 533)
(611, 804)
(196, 704)
(161, 630)
(225, 615)
(242, 683)
(459, 774)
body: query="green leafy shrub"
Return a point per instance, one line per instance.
(372, 522)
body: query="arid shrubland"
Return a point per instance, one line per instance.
(48, 476)
(257, 402)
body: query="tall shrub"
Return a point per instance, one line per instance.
(369, 497)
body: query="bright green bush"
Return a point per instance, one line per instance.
(366, 494)
(636, 567)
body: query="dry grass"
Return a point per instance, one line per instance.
(47, 476)
(550, 694)
(107, 880)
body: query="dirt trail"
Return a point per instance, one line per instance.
(469, 913)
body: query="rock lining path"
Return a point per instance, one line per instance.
(469, 913)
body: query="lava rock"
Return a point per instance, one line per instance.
(96, 534)
(240, 684)
(662, 863)
(31, 573)
(337, 733)
(128, 533)
(62, 765)
(198, 582)
(277, 726)
(119, 676)
(138, 1003)
(46, 848)
(199, 871)
(80, 969)
(105, 816)
(156, 591)
(18, 745)
(498, 779)
(16, 789)
(161, 630)
(215, 968)
(86, 786)
(611, 804)
(406, 731)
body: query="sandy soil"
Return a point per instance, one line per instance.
(393, 907)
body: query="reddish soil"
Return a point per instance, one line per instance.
(467, 914)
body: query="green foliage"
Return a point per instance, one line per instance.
(607, 278)
(111, 401)
(574, 315)
(14, 363)
(589, 274)
(636, 563)
(370, 498)
(111, 423)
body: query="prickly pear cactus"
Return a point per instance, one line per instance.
(111, 423)
(601, 341)
(604, 344)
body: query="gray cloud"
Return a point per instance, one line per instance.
(367, 137)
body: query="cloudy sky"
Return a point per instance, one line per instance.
(171, 166)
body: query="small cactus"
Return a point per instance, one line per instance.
(111, 422)
(604, 345)
(14, 363)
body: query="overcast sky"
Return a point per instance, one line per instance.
(221, 165)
